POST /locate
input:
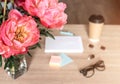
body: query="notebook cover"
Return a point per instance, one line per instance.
(64, 44)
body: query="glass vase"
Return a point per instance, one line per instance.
(16, 66)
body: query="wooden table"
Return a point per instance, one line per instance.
(40, 73)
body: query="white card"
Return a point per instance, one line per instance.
(64, 44)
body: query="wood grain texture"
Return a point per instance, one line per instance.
(40, 73)
(80, 10)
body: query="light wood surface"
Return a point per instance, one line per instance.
(40, 73)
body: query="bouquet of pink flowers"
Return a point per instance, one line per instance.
(20, 27)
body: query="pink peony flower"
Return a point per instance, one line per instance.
(33, 7)
(18, 33)
(50, 12)
(54, 17)
(19, 2)
(3, 47)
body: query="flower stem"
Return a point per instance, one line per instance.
(4, 12)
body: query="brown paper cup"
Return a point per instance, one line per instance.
(95, 30)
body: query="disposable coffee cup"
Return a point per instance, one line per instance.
(96, 23)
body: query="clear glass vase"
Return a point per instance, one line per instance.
(16, 66)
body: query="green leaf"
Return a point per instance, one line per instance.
(42, 31)
(19, 56)
(29, 54)
(5, 66)
(47, 33)
(6, 63)
(0, 61)
(9, 62)
(35, 46)
(0, 8)
(32, 47)
(38, 44)
(22, 10)
(50, 35)
(1, 16)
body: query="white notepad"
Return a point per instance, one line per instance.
(64, 44)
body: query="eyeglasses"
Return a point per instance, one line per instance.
(89, 71)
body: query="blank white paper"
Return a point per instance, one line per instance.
(64, 44)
